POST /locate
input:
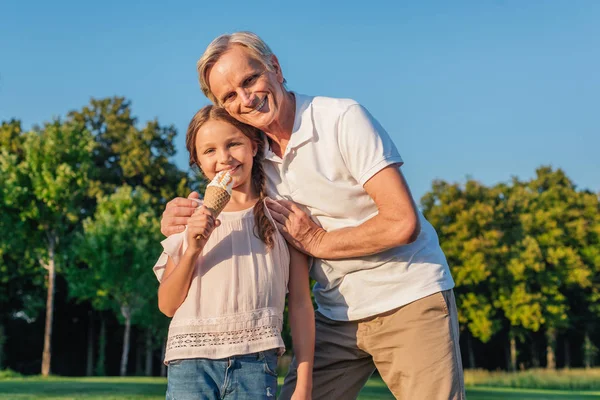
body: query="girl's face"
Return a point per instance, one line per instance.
(221, 146)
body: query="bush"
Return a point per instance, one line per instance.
(563, 379)
(9, 373)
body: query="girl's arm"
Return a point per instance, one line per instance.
(174, 287)
(302, 322)
(177, 279)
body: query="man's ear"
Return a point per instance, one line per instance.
(277, 68)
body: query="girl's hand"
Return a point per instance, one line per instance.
(200, 225)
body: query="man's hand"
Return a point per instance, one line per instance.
(177, 213)
(301, 394)
(295, 225)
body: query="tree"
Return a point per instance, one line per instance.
(118, 247)
(154, 325)
(48, 183)
(127, 155)
(466, 222)
(20, 280)
(552, 222)
(586, 233)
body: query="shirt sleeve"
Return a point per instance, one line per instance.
(365, 146)
(174, 246)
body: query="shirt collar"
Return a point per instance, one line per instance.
(302, 131)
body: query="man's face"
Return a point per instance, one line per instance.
(246, 88)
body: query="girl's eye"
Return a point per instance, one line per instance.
(208, 151)
(234, 144)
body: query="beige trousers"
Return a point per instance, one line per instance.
(414, 348)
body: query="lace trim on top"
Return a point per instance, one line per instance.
(216, 339)
(223, 336)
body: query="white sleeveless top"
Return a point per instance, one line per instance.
(237, 295)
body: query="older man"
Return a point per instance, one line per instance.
(383, 286)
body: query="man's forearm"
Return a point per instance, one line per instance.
(371, 237)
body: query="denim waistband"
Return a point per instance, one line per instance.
(255, 356)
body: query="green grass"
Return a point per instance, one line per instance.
(63, 388)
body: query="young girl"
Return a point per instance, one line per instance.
(226, 291)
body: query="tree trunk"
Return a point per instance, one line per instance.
(47, 353)
(126, 312)
(507, 355)
(513, 352)
(163, 367)
(550, 348)
(470, 350)
(139, 353)
(535, 358)
(567, 353)
(89, 370)
(149, 353)
(100, 363)
(588, 350)
(2, 342)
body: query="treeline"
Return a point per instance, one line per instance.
(80, 205)
(525, 256)
(80, 200)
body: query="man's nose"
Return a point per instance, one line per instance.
(247, 98)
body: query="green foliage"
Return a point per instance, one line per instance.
(43, 180)
(467, 222)
(49, 181)
(126, 154)
(9, 374)
(118, 246)
(524, 255)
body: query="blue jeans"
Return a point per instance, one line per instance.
(245, 377)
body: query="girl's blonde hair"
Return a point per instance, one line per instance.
(257, 48)
(263, 229)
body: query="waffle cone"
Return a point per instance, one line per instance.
(215, 199)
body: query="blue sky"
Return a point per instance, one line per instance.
(486, 89)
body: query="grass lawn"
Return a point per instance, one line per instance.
(60, 388)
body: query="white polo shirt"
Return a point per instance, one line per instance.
(335, 147)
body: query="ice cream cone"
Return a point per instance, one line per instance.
(215, 199)
(218, 194)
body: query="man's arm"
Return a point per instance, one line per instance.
(396, 224)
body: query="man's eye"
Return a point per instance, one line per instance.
(228, 98)
(250, 79)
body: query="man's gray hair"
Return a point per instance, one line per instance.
(257, 48)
